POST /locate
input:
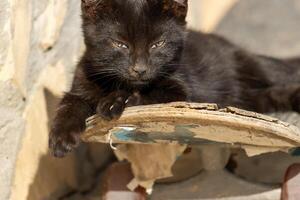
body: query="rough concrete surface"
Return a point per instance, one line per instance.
(265, 27)
(40, 43)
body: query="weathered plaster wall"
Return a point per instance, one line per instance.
(40, 43)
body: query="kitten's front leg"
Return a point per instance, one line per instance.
(70, 120)
(112, 106)
(68, 124)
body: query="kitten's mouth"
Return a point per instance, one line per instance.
(139, 82)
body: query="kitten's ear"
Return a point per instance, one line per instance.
(90, 7)
(88, 1)
(177, 8)
(182, 2)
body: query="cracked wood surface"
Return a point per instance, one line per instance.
(194, 123)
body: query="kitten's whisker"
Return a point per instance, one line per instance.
(168, 76)
(103, 73)
(106, 81)
(178, 64)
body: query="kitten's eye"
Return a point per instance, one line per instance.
(158, 44)
(120, 44)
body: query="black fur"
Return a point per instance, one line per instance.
(139, 52)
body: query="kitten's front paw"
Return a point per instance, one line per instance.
(62, 143)
(112, 106)
(135, 100)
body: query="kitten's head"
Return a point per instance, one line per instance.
(136, 41)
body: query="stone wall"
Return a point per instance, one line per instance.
(40, 43)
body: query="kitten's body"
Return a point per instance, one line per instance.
(186, 66)
(220, 72)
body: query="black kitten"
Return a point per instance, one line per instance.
(139, 52)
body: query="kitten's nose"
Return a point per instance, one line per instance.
(139, 69)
